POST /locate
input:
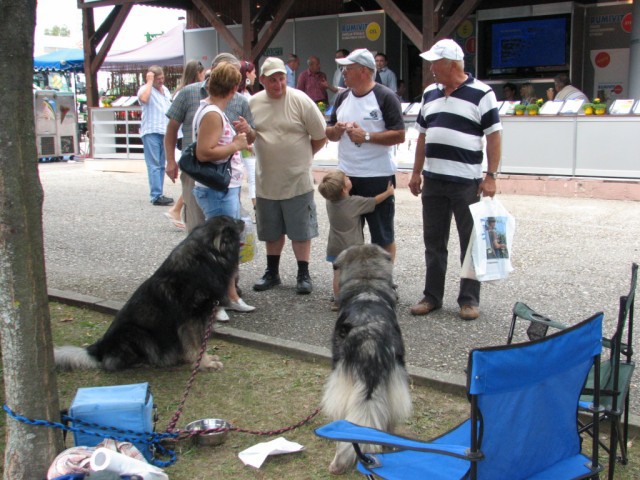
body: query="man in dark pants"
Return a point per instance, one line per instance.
(457, 112)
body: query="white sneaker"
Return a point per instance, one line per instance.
(222, 315)
(240, 306)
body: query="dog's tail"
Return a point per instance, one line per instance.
(72, 358)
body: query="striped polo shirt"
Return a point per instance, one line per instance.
(455, 127)
(154, 119)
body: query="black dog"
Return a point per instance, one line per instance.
(163, 322)
(369, 384)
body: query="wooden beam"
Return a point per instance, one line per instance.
(428, 26)
(90, 5)
(208, 13)
(403, 22)
(118, 20)
(461, 14)
(247, 31)
(281, 16)
(91, 76)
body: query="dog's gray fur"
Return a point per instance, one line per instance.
(369, 384)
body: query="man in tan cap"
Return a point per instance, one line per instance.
(456, 114)
(290, 129)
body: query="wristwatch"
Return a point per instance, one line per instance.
(493, 175)
(367, 137)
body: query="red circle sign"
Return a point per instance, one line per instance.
(470, 45)
(602, 59)
(617, 89)
(626, 23)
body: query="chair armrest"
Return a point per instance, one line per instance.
(527, 313)
(344, 431)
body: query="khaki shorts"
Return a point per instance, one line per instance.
(295, 217)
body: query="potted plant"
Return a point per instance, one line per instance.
(587, 108)
(599, 107)
(533, 108)
(519, 109)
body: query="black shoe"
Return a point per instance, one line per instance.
(163, 201)
(268, 280)
(304, 286)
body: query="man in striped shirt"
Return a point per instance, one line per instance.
(457, 114)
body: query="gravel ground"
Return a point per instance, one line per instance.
(572, 257)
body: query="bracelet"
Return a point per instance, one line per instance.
(493, 175)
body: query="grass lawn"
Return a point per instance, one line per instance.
(257, 390)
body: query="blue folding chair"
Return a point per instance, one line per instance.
(523, 425)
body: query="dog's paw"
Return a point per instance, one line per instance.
(211, 362)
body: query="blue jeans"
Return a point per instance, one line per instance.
(154, 158)
(216, 202)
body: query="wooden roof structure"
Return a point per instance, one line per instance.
(422, 21)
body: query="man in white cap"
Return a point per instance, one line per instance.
(456, 114)
(367, 122)
(290, 130)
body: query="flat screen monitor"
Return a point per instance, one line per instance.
(524, 47)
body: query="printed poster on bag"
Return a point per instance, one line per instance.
(492, 240)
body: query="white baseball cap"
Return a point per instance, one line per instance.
(361, 56)
(272, 65)
(445, 48)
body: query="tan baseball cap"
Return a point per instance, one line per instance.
(272, 65)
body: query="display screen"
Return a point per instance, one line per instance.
(529, 43)
(524, 47)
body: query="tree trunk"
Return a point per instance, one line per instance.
(25, 330)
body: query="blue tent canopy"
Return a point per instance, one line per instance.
(68, 59)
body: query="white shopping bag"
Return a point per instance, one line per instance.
(488, 256)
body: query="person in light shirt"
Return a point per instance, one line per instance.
(289, 130)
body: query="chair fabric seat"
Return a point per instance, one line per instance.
(606, 400)
(410, 465)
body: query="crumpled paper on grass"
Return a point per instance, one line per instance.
(256, 455)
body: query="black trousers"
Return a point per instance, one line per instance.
(442, 200)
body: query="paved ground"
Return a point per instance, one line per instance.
(572, 257)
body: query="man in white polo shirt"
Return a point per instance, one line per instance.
(367, 122)
(155, 100)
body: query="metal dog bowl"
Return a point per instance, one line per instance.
(209, 439)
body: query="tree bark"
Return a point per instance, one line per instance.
(25, 330)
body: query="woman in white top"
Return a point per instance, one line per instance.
(248, 72)
(216, 142)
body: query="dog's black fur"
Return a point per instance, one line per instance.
(369, 383)
(163, 322)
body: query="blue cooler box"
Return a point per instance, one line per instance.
(126, 407)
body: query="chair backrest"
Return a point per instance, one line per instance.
(526, 397)
(625, 319)
(618, 344)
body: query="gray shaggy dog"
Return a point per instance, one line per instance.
(369, 384)
(164, 321)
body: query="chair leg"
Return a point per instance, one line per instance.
(613, 433)
(625, 432)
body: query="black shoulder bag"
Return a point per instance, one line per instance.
(213, 175)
